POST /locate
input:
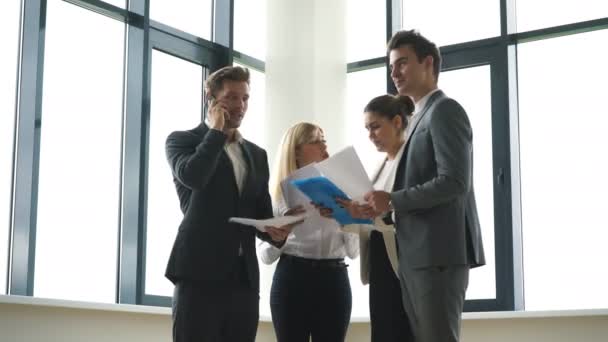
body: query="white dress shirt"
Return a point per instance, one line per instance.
(383, 179)
(235, 153)
(239, 165)
(418, 106)
(315, 238)
(385, 176)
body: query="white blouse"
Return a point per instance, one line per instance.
(315, 238)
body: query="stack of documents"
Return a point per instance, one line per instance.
(261, 225)
(340, 176)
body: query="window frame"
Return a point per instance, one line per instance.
(144, 35)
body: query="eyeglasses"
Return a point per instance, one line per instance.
(318, 141)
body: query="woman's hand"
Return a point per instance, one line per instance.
(357, 210)
(295, 211)
(279, 234)
(323, 211)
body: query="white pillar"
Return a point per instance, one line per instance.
(305, 68)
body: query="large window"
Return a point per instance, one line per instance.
(366, 28)
(78, 209)
(563, 120)
(362, 86)
(9, 39)
(80, 148)
(538, 14)
(119, 3)
(192, 16)
(476, 100)
(89, 120)
(250, 27)
(254, 124)
(450, 22)
(171, 108)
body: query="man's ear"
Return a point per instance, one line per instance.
(428, 61)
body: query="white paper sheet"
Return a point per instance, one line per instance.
(272, 222)
(346, 171)
(292, 196)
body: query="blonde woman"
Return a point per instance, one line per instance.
(310, 295)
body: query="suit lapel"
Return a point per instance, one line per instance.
(224, 161)
(398, 182)
(411, 128)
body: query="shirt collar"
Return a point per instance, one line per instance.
(238, 137)
(419, 106)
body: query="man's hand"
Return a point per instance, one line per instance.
(378, 200)
(217, 114)
(357, 210)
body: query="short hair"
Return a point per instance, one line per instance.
(421, 45)
(215, 81)
(390, 106)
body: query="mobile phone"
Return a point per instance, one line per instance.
(213, 100)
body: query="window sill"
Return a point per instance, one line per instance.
(155, 310)
(69, 304)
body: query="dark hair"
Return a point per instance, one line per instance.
(389, 106)
(215, 81)
(422, 47)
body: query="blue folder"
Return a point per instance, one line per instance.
(323, 192)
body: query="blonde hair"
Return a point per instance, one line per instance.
(286, 162)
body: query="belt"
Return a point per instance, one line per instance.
(318, 263)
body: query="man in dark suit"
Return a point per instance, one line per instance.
(432, 202)
(218, 175)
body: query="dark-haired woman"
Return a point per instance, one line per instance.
(386, 119)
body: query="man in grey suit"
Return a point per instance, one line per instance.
(432, 202)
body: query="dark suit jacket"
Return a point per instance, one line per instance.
(435, 210)
(206, 249)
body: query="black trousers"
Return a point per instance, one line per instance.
(229, 314)
(310, 299)
(389, 321)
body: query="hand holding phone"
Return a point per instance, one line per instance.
(217, 114)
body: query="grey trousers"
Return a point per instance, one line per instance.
(433, 299)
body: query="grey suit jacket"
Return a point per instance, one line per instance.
(435, 211)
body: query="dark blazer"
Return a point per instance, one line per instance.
(435, 210)
(206, 249)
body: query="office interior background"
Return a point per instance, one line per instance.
(90, 89)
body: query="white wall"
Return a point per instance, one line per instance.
(24, 319)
